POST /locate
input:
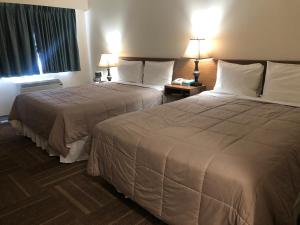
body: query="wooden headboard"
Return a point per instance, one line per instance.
(184, 68)
(208, 67)
(148, 59)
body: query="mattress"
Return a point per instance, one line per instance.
(64, 118)
(208, 159)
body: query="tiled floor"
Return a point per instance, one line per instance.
(37, 189)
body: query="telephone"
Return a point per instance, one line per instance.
(181, 81)
(98, 76)
(178, 81)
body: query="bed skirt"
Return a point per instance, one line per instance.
(77, 149)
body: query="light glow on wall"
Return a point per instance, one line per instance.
(206, 23)
(114, 42)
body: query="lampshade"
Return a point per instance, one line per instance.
(108, 60)
(197, 49)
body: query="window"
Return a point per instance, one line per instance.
(37, 40)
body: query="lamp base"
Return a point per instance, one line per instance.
(109, 77)
(198, 84)
(196, 73)
(196, 77)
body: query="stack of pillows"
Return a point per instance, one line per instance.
(152, 73)
(282, 81)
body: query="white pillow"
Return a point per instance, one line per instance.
(130, 71)
(158, 73)
(282, 82)
(239, 79)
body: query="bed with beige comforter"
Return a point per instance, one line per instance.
(205, 160)
(64, 116)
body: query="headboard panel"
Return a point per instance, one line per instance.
(208, 67)
(184, 68)
(264, 62)
(148, 59)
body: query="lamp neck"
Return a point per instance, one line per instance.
(199, 48)
(196, 65)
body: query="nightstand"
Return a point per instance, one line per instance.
(175, 92)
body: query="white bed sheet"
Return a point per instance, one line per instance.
(157, 87)
(260, 99)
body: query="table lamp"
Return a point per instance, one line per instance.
(196, 50)
(108, 61)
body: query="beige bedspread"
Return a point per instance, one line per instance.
(66, 115)
(205, 160)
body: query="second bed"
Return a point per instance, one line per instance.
(206, 159)
(213, 158)
(61, 120)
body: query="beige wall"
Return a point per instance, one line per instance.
(74, 4)
(8, 89)
(241, 29)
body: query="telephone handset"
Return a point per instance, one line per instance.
(181, 81)
(178, 81)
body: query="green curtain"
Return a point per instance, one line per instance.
(56, 38)
(29, 31)
(17, 45)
